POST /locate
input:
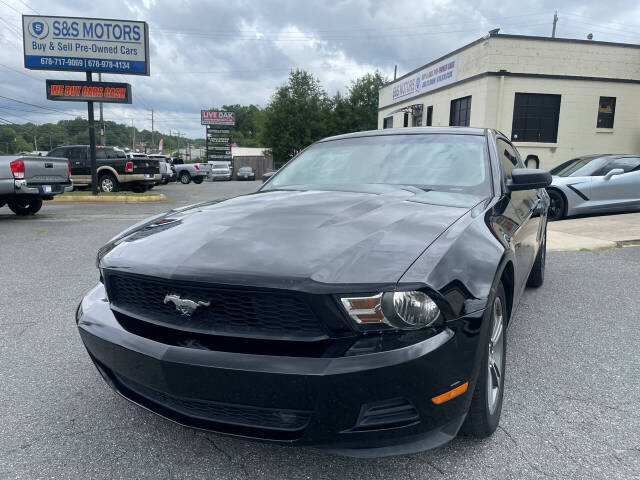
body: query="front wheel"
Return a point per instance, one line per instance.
(25, 206)
(486, 404)
(108, 183)
(558, 205)
(198, 180)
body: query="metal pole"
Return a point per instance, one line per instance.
(92, 144)
(153, 137)
(555, 20)
(102, 142)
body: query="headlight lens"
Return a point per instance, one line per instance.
(415, 309)
(404, 310)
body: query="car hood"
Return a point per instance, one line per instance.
(560, 181)
(291, 239)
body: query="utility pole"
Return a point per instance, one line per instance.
(555, 20)
(153, 137)
(133, 137)
(101, 117)
(35, 143)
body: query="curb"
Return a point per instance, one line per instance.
(159, 197)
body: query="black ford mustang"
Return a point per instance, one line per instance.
(358, 302)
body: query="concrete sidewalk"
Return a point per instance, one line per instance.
(593, 232)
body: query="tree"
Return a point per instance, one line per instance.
(297, 115)
(363, 101)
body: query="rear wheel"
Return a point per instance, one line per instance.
(486, 404)
(139, 188)
(25, 206)
(558, 205)
(108, 183)
(185, 178)
(198, 180)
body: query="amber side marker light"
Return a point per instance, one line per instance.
(459, 390)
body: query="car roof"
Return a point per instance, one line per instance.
(411, 131)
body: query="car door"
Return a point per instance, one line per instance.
(618, 191)
(520, 210)
(78, 160)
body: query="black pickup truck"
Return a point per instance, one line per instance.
(115, 170)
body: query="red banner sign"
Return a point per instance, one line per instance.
(207, 117)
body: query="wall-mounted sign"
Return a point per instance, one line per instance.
(207, 117)
(85, 44)
(72, 91)
(429, 78)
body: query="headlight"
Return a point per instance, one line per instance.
(404, 310)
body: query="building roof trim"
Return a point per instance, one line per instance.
(511, 37)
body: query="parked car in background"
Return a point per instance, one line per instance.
(595, 184)
(26, 181)
(166, 169)
(367, 315)
(267, 175)
(187, 172)
(115, 170)
(246, 173)
(220, 170)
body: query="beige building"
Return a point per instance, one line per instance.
(555, 98)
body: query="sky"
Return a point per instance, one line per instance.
(209, 53)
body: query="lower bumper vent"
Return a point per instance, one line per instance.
(393, 413)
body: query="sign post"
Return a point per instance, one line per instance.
(86, 45)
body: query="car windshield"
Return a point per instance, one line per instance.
(244, 169)
(579, 167)
(445, 162)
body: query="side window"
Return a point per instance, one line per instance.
(507, 156)
(628, 164)
(76, 154)
(58, 152)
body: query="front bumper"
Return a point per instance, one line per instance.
(319, 401)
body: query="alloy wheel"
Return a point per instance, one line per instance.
(496, 353)
(106, 185)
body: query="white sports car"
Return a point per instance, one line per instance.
(594, 184)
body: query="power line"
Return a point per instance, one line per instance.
(38, 106)
(30, 8)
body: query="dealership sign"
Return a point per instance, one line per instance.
(207, 117)
(72, 91)
(429, 78)
(85, 44)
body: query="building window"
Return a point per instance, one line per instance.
(406, 119)
(535, 118)
(416, 115)
(606, 112)
(387, 122)
(460, 112)
(429, 115)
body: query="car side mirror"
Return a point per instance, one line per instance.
(267, 175)
(611, 173)
(528, 179)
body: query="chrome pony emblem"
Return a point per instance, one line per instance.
(185, 306)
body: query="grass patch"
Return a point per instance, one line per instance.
(111, 194)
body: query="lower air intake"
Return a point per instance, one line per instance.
(393, 413)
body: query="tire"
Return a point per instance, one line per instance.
(185, 178)
(2, 204)
(149, 187)
(486, 404)
(165, 181)
(25, 206)
(198, 180)
(536, 277)
(557, 206)
(107, 183)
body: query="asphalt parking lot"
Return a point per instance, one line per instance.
(571, 407)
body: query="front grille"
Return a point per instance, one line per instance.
(231, 312)
(231, 414)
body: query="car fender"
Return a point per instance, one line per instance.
(110, 170)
